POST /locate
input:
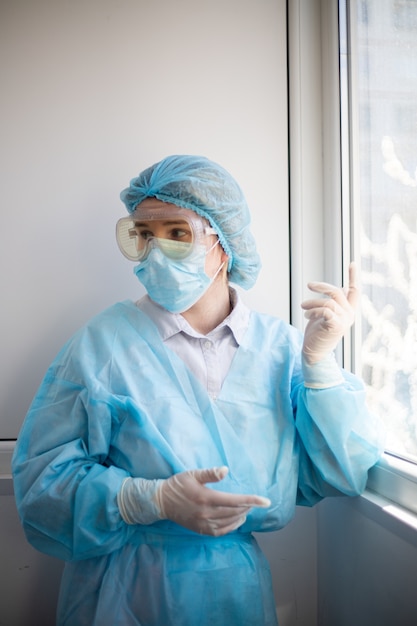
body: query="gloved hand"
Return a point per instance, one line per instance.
(184, 499)
(328, 318)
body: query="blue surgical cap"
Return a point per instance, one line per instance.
(196, 183)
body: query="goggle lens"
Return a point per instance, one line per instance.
(175, 250)
(136, 243)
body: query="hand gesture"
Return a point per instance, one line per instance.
(183, 498)
(329, 318)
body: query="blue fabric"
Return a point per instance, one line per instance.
(117, 402)
(196, 183)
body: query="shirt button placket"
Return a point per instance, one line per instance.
(212, 377)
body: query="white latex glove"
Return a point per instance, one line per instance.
(184, 499)
(328, 318)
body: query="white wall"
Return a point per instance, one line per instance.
(93, 91)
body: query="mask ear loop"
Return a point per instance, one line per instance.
(212, 247)
(218, 271)
(221, 264)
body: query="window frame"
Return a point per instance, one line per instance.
(323, 228)
(394, 478)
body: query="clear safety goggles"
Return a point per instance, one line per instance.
(174, 232)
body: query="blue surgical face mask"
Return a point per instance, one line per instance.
(175, 284)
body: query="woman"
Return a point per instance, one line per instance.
(168, 430)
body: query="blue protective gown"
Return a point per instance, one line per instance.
(116, 402)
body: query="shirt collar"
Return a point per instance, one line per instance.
(170, 324)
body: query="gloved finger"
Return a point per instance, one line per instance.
(210, 475)
(222, 529)
(342, 296)
(234, 500)
(222, 498)
(223, 513)
(318, 304)
(232, 526)
(225, 520)
(326, 314)
(331, 291)
(353, 291)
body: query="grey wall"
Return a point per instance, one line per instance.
(367, 566)
(29, 581)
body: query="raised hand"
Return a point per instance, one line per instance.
(329, 318)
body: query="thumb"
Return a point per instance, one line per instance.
(212, 475)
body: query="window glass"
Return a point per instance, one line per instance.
(382, 35)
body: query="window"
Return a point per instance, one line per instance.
(379, 67)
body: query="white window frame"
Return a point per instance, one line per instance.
(393, 478)
(322, 193)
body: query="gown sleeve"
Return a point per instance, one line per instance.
(339, 439)
(65, 492)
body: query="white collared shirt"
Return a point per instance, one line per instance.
(208, 356)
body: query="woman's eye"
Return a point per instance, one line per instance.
(180, 233)
(144, 234)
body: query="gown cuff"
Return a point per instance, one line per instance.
(137, 501)
(323, 374)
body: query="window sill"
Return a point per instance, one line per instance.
(392, 509)
(387, 514)
(6, 483)
(394, 479)
(6, 452)
(390, 499)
